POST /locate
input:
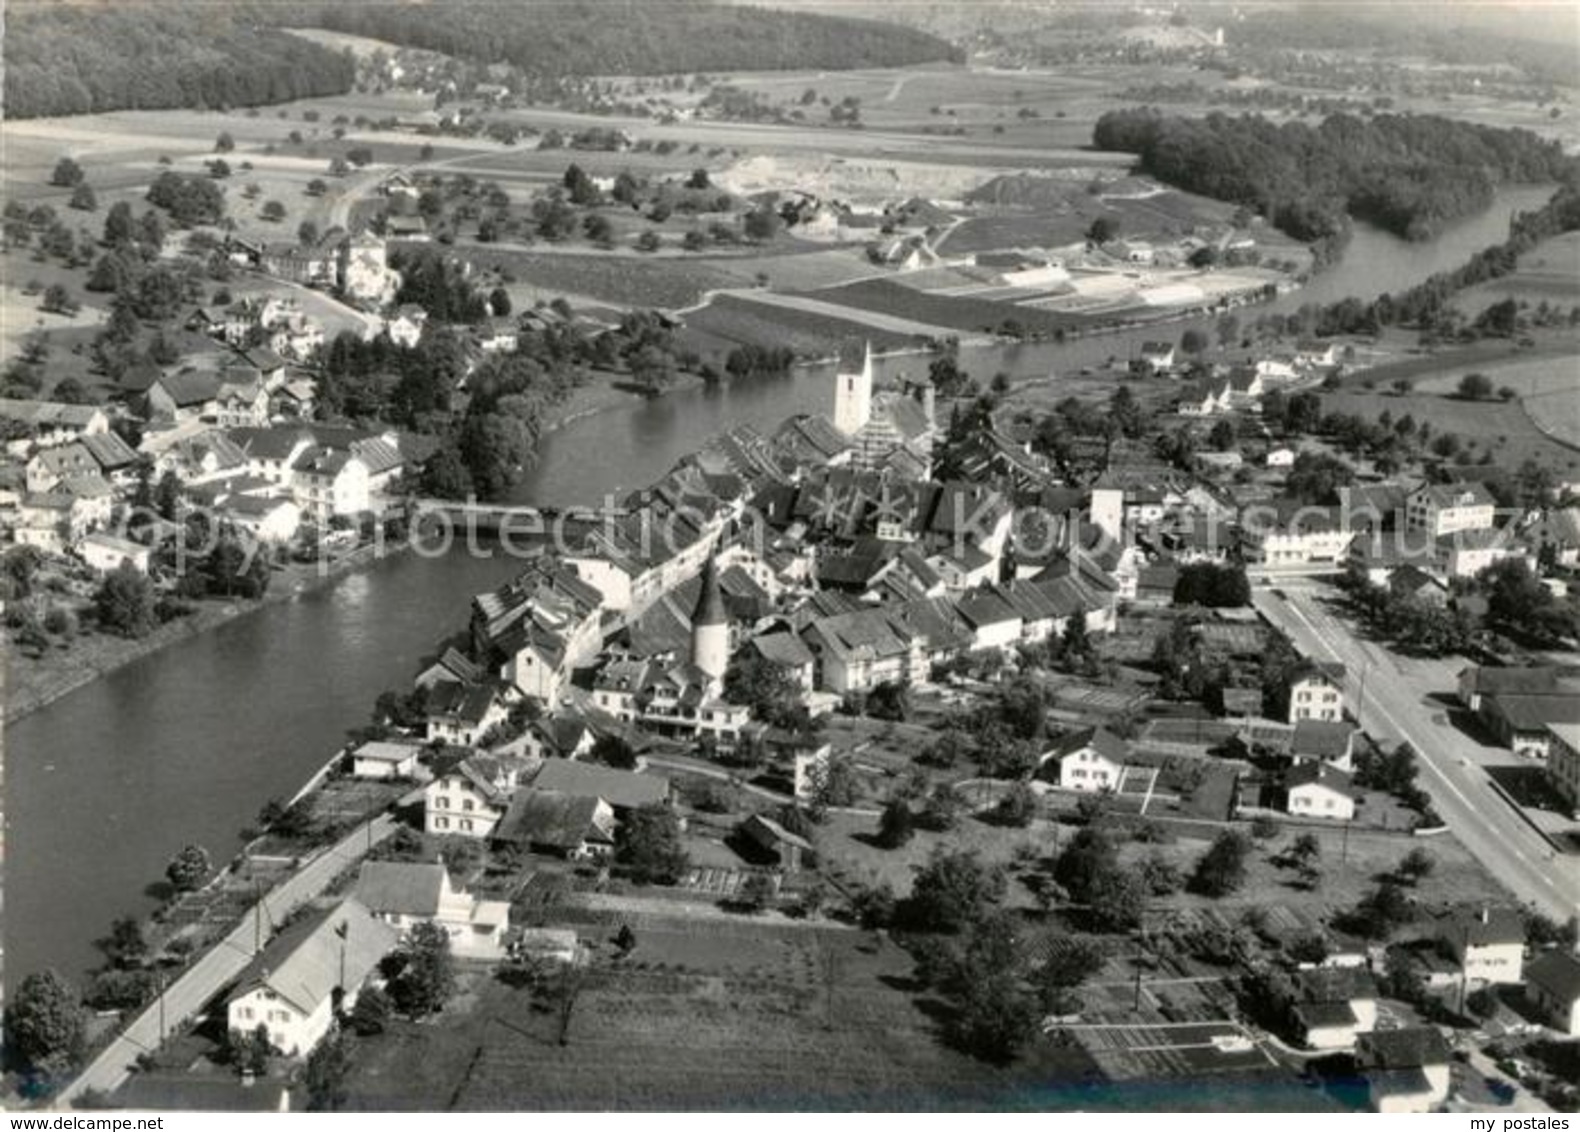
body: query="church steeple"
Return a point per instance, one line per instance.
(853, 396)
(710, 625)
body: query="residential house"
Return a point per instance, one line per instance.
(462, 713)
(1316, 691)
(45, 424)
(1092, 759)
(188, 395)
(1552, 983)
(451, 667)
(789, 652)
(1159, 356)
(379, 759)
(329, 483)
(103, 455)
(267, 518)
(1293, 538)
(1279, 458)
(1443, 509)
(535, 630)
(105, 552)
(315, 966)
(1406, 1070)
(574, 827)
(404, 894)
(1319, 790)
(1316, 352)
(1337, 1005)
(1466, 553)
(1487, 943)
(1325, 742)
(470, 798)
(365, 275)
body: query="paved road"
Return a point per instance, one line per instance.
(1395, 697)
(208, 976)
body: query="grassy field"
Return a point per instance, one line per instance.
(732, 319)
(1548, 273)
(704, 1015)
(1504, 428)
(889, 297)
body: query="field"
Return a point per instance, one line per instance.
(890, 297)
(731, 320)
(1548, 273)
(1546, 388)
(704, 1015)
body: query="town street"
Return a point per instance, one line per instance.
(1402, 698)
(184, 998)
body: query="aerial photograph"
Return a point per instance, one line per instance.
(695, 556)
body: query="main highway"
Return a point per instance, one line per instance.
(1396, 699)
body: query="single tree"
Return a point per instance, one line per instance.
(325, 1074)
(83, 199)
(648, 844)
(954, 889)
(1416, 865)
(1221, 870)
(896, 827)
(44, 1023)
(189, 868)
(124, 602)
(427, 971)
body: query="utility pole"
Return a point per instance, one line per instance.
(161, 1010)
(1344, 852)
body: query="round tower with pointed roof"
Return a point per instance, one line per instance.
(710, 626)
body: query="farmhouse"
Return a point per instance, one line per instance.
(1089, 760)
(290, 987)
(622, 789)
(575, 827)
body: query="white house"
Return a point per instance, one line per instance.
(1487, 943)
(1316, 691)
(1092, 759)
(379, 759)
(469, 799)
(461, 713)
(326, 483)
(1553, 984)
(1407, 1070)
(1444, 508)
(1337, 1005)
(1317, 790)
(105, 552)
(404, 894)
(1280, 458)
(1563, 762)
(290, 986)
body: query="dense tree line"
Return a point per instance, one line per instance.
(1410, 174)
(84, 59)
(625, 37)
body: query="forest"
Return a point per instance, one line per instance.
(628, 37)
(1409, 174)
(69, 59)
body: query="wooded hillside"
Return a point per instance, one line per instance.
(1410, 174)
(630, 37)
(62, 59)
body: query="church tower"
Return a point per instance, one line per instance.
(853, 396)
(710, 626)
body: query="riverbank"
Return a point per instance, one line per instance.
(31, 684)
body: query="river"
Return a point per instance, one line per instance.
(104, 785)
